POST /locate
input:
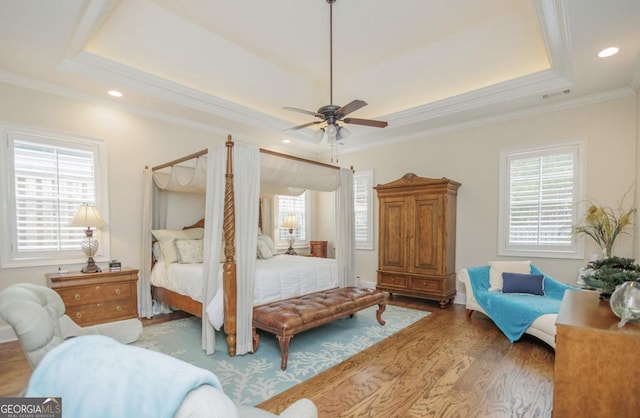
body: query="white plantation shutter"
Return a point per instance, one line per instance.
(363, 208)
(298, 206)
(542, 187)
(48, 179)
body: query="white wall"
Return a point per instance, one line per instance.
(471, 157)
(468, 156)
(133, 142)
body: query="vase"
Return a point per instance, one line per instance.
(625, 302)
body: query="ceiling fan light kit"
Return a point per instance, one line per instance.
(332, 114)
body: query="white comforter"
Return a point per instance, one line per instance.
(279, 277)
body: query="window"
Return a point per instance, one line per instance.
(298, 206)
(46, 179)
(539, 191)
(363, 208)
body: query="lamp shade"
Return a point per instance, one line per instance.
(290, 222)
(88, 216)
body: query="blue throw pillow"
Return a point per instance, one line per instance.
(532, 284)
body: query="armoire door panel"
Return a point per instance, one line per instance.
(393, 233)
(427, 242)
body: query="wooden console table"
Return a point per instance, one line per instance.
(596, 372)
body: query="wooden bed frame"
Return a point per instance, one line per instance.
(229, 278)
(229, 283)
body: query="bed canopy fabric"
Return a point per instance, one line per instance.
(264, 173)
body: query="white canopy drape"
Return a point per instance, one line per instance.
(264, 173)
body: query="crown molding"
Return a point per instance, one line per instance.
(554, 27)
(94, 66)
(519, 114)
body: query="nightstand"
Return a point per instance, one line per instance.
(95, 298)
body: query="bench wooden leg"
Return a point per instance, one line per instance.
(284, 349)
(381, 307)
(468, 313)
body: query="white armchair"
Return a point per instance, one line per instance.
(36, 314)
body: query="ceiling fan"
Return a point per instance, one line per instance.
(332, 114)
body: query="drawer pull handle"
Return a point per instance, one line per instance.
(97, 287)
(99, 305)
(77, 296)
(118, 308)
(117, 291)
(78, 315)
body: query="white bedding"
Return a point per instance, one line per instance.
(279, 277)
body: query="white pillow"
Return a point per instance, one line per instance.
(269, 241)
(167, 237)
(263, 251)
(190, 251)
(498, 267)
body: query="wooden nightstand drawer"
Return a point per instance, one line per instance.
(96, 294)
(94, 298)
(101, 312)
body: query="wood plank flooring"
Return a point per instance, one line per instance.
(441, 366)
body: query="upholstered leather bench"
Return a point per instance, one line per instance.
(287, 317)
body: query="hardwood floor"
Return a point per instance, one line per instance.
(441, 366)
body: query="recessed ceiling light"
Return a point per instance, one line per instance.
(286, 141)
(114, 93)
(607, 52)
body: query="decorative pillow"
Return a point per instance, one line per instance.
(190, 251)
(532, 284)
(269, 241)
(167, 237)
(263, 251)
(499, 267)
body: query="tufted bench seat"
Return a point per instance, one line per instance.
(287, 317)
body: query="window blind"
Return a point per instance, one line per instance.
(362, 201)
(50, 183)
(296, 205)
(541, 198)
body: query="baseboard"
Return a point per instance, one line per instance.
(365, 284)
(7, 334)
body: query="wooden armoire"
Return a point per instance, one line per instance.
(417, 237)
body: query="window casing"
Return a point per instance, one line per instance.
(539, 190)
(363, 208)
(299, 206)
(46, 177)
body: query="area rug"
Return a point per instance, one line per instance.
(252, 379)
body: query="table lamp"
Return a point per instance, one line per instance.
(88, 216)
(290, 222)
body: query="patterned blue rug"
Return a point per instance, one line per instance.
(252, 379)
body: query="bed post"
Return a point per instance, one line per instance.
(229, 267)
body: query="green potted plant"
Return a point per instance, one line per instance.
(613, 271)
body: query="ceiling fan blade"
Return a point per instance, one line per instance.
(350, 107)
(306, 112)
(366, 122)
(304, 125)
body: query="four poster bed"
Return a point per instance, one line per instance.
(229, 281)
